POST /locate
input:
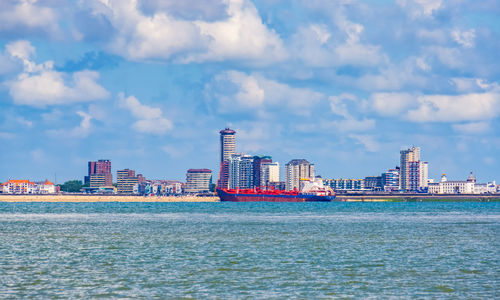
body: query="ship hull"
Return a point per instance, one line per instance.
(230, 197)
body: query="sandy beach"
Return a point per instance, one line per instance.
(102, 198)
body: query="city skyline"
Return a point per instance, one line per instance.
(345, 85)
(99, 170)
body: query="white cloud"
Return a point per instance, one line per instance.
(342, 105)
(187, 9)
(139, 110)
(53, 116)
(394, 76)
(8, 64)
(234, 90)
(255, 137)
(392, 104)
(24, 122)
(464, 38)
(450, 57)
(316, 46)
(40, 85)
(240, 34)
(321, 33)
(351, 124)
(80, 131)
(26, 15)
(446, 108)
(84, 128)
(469, 85)
(368, 141)
(419, 8)
(49, 88)
(150, 119)
(338, 104)
(471, 128)
(353, 51)
(438, 108)
(437, 36)
(250, 94)
(429, 6)
(143, 37)
(422, 64)
(310, 44)
(21, 49)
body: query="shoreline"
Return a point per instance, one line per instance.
(102, 198)
(172, 199)
(419, 198)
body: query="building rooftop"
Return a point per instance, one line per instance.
(298, 162)
(19, 181)
(227, 131)
(199, 171)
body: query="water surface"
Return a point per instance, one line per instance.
(249, 250)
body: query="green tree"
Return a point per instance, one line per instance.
(72, 186)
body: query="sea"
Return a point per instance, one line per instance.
(250, 250)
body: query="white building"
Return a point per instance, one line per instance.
(295, 170)
(269, 172)
(241, 171)
(198, 181)
(45, 187)
(18, 187)
(468, 186)
(424, 174)
(485, 188)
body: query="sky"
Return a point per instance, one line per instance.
(345, 84)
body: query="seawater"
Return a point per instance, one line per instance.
(249, 250)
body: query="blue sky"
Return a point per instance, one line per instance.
(345, 84)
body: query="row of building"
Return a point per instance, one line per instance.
(239, 170)
(411, 176)
(28, 187)
(100, 180)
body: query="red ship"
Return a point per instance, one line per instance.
(312, 191)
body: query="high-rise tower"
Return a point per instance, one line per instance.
(227, 149)
(227, 144)
(407, 157)
(413, 176)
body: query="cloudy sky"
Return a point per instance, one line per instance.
(345, 84)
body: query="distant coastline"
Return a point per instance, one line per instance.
(419, 198)
(346, 198)
(103, 198)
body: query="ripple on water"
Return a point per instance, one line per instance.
(250, 250)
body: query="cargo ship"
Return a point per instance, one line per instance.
(312, 191)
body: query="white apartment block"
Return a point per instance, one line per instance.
(240, 171)
(269, 172)
(295, 170)
(468, 186)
